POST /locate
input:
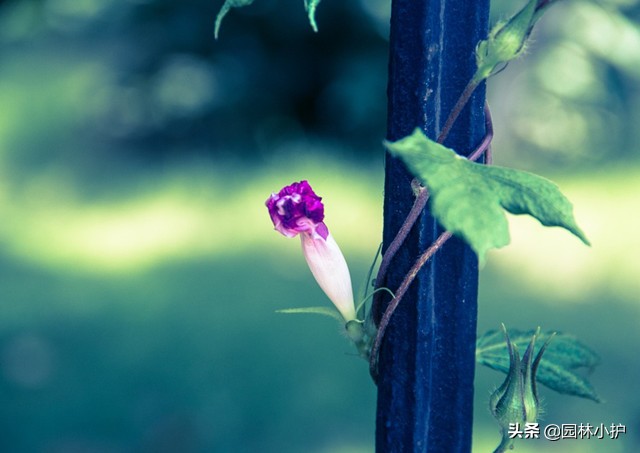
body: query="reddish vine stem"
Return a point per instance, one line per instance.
(423, 194)
(391, 308)
(457, 109)
(418, 206)
(485, 145)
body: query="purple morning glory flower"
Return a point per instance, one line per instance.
(297, 210)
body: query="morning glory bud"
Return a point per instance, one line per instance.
(516, 402)
(297, 210)
(507, 40)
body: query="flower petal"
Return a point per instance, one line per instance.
(330, 270)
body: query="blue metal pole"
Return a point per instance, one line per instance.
(427, 358)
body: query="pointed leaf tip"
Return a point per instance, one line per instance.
(228, 4)
(469, 199)
(310, 6)
(324, 311)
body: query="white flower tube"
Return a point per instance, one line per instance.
(296, 209)
(330, 270)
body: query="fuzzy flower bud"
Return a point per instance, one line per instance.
(516, 400)
(297, 210)
(507, 40)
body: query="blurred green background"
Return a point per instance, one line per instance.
(139, 269)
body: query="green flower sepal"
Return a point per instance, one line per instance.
(516, 400)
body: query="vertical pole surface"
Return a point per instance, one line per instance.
(427, 358)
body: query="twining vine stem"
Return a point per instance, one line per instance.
(423, 194)
(418, 206)
(457, 109)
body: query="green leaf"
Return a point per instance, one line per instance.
(557, 370)
(469, 199)
(228, 4)
(325, 311)
(310, 6)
